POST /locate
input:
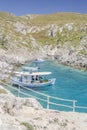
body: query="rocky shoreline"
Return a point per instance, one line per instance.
(27, 114)
(8, 62)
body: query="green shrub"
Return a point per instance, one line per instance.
(27, 125)
(3, 91)
(82, 52)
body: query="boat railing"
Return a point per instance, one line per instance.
(49, 100)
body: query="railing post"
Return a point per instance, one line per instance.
(48, 102)
(18, 90)
(74, 105)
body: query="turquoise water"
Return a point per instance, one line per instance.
(70, 83)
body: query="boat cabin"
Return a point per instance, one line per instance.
(31, 77)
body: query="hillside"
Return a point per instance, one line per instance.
(62, 35)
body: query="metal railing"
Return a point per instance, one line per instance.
(49, 100)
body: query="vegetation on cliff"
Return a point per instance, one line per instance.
(60, 34)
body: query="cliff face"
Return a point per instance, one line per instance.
(62, 35)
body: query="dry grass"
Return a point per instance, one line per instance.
(60, 19)
(7, 27)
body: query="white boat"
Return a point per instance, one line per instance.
(30, 69)
(34, 79)
(38, 60)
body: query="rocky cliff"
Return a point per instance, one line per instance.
(61, 35)
(27, 114)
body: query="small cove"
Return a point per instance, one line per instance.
(70, 83)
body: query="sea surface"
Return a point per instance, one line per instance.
(70, 84)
